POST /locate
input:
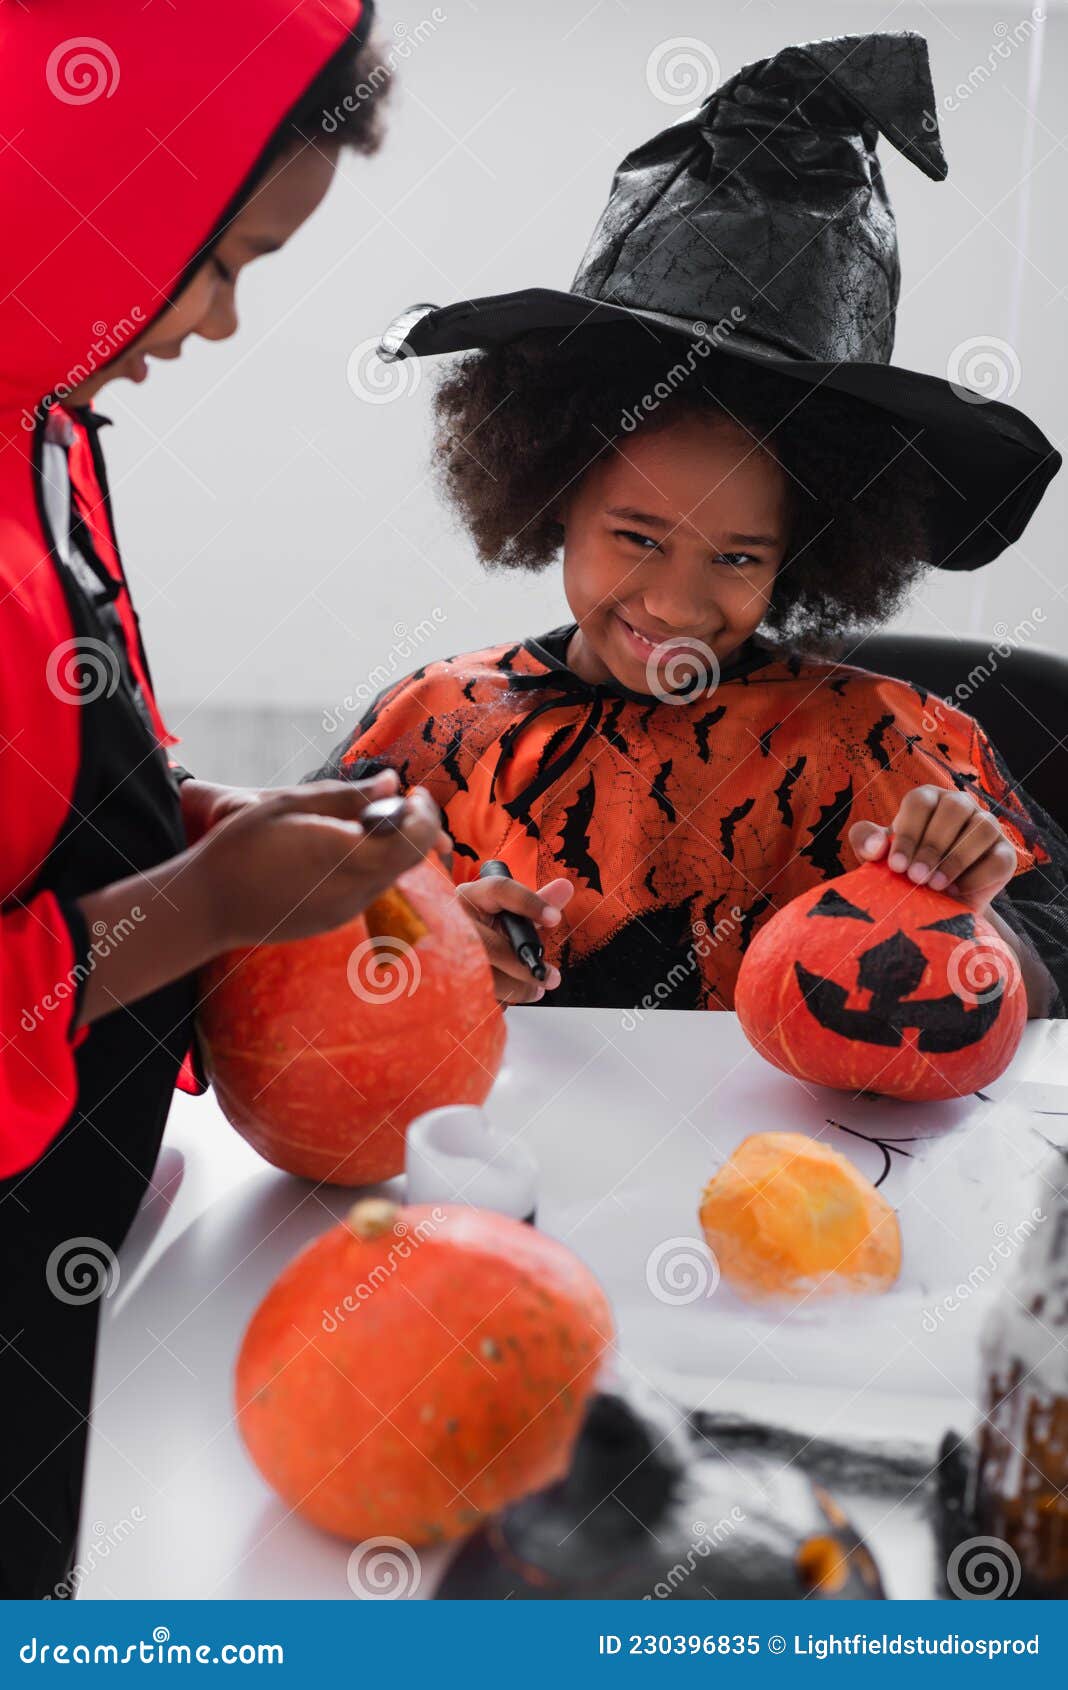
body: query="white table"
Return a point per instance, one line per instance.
(628, 1123)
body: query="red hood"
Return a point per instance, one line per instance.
(126, 134)
(129, 130)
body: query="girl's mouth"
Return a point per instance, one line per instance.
(643, 646)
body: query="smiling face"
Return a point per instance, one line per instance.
(673, 536)
(207, 306)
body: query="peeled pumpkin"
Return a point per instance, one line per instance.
(788, 1216)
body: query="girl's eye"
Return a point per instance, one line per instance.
(646, 541)
(737, 560)
(221, 269)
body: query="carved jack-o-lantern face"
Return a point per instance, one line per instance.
(870, 983)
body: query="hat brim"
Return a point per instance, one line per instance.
(994, 463)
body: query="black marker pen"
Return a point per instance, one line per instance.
(522, 934)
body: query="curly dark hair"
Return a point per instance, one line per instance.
(518, 425)
(342, 106)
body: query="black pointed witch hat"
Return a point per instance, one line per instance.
(761, 222)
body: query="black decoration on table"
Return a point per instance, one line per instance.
(652, 1508)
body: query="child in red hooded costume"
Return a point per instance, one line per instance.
(141, 168)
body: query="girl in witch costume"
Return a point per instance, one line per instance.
(207, 143)
(708, 428)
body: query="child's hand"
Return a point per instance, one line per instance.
(945, 840)
(483, 899)
(205, 805)
(296, 861)
(278, 865)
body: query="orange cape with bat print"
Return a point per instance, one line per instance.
(683, 825)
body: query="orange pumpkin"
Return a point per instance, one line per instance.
(322, 1050)
(871, 983)
(416, 1369)
(788, 1215)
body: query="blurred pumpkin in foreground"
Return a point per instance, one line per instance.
(416, 1369)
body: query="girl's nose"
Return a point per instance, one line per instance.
(220, 322)
(677, 603)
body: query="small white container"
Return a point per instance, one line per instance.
(455, 1156)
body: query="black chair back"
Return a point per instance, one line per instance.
(1020, 700)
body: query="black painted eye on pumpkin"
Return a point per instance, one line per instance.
(874, 984)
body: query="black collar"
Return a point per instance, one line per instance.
(551, 649)
(563, 689)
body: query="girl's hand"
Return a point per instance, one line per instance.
(205, 805)
(283, 865)
(297, 861)
(942, 839)
(483, 900)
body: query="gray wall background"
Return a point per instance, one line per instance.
(283, 535)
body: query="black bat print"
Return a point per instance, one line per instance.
(823, 851)
(575, 839)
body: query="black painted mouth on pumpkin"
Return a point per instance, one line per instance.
(891, 971)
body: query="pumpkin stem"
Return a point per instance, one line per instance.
(372, 1217)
